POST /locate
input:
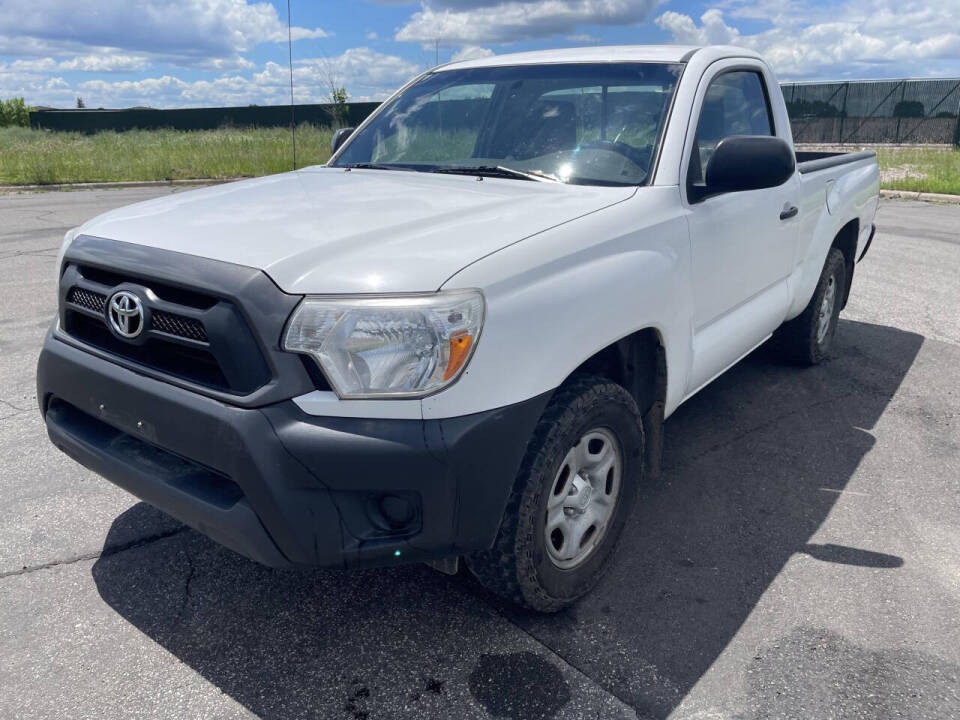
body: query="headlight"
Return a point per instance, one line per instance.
(388, 347)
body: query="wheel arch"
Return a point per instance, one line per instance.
(637, 362)
(846, 242)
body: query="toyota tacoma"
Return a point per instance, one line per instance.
(459, 338)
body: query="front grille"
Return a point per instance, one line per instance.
(208, 343)
(162, 321)
(178, 326)
(164, 291)
(187, 363)
(87, 299)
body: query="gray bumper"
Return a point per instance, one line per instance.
(282, 487)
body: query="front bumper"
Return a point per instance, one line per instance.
(282, 487)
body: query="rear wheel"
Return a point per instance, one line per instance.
(807, 338)
(570, 500)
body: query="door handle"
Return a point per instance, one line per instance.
(789, 212)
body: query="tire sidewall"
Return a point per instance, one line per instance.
(834, 268)
(620, 418)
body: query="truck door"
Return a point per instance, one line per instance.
(742, 243)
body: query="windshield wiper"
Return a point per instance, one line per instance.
(373, 166)
(496, 171)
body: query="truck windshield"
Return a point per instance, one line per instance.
(583, 123)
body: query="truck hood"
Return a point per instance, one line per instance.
(324, 230)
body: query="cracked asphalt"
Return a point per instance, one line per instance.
(799, 558)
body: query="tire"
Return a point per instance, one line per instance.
(805, 340)
(587, 422)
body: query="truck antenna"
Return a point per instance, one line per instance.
(293, 124)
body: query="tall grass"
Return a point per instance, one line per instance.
(41, 157)
(29, 157)
(917, 168)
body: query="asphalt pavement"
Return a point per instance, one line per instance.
(799, 558)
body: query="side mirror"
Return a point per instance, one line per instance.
(749, 162)
(339, 138)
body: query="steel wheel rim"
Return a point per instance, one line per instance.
(582, 498)
(826, 309)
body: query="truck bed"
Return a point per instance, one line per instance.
(812, 161)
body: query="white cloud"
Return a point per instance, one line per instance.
(361, 70)
(711, 31)
(473, 22)
(185, 32)
(367, 75)
(855, 38)
(94, 62)
(104, 63)
(472, 52)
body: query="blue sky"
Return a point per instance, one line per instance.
(171, 53)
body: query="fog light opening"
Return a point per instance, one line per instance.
(397, 511)
(393, 513)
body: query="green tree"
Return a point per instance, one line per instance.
(341, 111)
(80, 103)
(14, 112)
(333, 78)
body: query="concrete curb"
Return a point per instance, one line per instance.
(914, 195)
(116, 185)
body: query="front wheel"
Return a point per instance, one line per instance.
(571, 498)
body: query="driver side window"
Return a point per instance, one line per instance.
(735, 104)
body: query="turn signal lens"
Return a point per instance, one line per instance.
(460, 346)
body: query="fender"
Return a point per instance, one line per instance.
(567, 292)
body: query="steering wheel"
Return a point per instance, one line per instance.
(638, 156)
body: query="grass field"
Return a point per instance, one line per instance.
(34, 157)
(38, 157)
(923, 169)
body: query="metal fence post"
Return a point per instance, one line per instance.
(956, 128)
(843, 111)
(903, 92)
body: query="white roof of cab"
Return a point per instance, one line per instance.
(611, 53)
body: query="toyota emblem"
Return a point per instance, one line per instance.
(125, 313)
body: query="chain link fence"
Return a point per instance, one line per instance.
(881, 111)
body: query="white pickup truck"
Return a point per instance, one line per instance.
(461, 336)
